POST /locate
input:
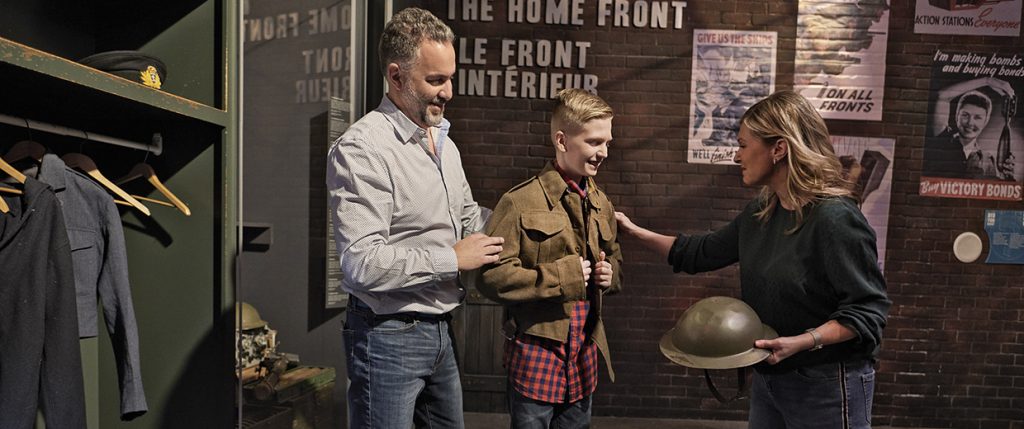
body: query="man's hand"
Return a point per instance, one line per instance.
(603, 271)
(476, 250)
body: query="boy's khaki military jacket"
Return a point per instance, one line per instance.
(538, 276)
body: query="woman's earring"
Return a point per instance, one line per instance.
(775, 160)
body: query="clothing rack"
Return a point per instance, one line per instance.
(155, 147)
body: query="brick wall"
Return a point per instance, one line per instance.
(953, 354)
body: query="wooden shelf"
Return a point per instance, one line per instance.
(42, 81)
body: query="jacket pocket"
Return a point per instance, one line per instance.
(550, 236)
(86, 259)
(604, 229)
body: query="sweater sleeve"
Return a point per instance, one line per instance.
(852, 268)
(706, 252)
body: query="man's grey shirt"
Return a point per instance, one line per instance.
(397, 212)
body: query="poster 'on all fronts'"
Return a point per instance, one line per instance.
(732, 70)
(840, 57)
(969, 17)
(974, 147)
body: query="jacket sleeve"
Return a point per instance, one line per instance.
(612, 249)
(361, 192)
(115, 295)
(508, 281)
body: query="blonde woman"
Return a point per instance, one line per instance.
(808, 266)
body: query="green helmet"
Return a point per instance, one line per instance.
(717, 333)
(250, 317)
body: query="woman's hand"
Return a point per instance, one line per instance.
(1001, 86)
(1005, 171)
(784, 347)
(626, 225)
(654, 241)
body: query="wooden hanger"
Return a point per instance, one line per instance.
(35, 151)
(13, 172)
(4, 208)
(84, 163)
(145, 170)
(25, 149)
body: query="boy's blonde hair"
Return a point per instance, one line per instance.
(577, 107)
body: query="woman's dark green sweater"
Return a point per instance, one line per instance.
(826, 269)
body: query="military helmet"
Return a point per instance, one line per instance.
(250, 317)
(717, 333)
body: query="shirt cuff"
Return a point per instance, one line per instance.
(446, 265)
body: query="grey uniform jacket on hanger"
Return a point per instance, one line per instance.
(101, 269)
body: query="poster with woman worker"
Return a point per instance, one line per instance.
(973, 142)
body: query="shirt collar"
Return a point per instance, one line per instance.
(555, 186)
(51, 172)
(406, 129)
(580, 189)
(971, 148)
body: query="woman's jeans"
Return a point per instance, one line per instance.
(827, 396)
(402, 371)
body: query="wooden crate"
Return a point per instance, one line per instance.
(307, 393)
(255, 417)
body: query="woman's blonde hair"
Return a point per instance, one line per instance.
(814, 169)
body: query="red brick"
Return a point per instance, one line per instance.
(961, 324)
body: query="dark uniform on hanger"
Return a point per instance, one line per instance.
(40, 362)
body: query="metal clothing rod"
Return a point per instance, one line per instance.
(156, 147)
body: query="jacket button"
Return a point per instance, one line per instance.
(577, 249)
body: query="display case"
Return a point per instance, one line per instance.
(181, 268)
(304, 71)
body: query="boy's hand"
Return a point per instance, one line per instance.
(603, 271)
(586, 271)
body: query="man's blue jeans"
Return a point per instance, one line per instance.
(527, 413)
(401, 371)
(828, 396)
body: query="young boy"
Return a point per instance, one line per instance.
(559, 258)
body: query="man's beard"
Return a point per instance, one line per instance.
(423, 104)
(430, 118)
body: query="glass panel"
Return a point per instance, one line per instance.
(299, 68)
